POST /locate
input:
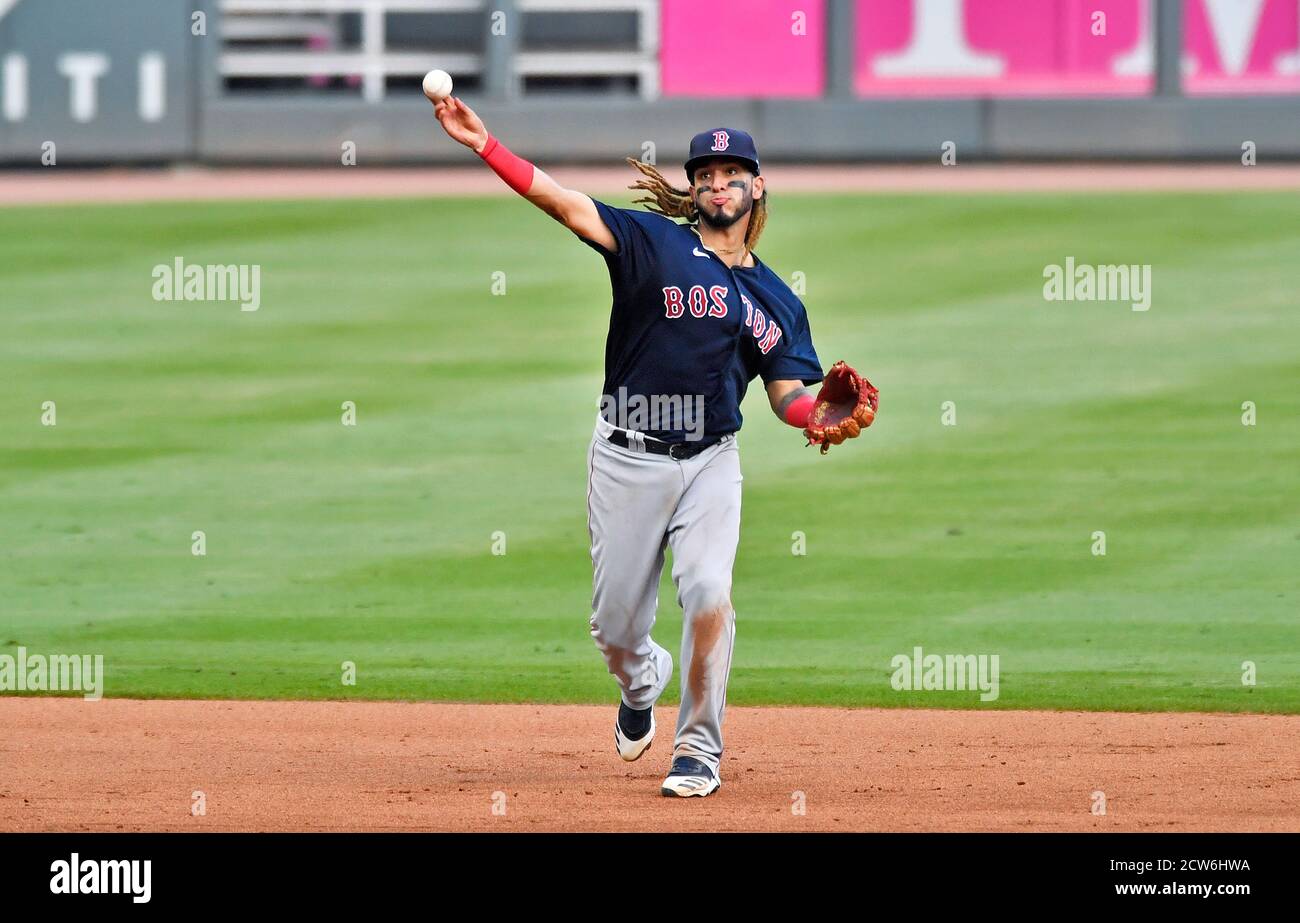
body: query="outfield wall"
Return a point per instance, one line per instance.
(130, 81)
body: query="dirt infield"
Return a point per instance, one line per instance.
(70, 765)
(54, 186)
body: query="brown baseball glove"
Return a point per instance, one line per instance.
(845, 406)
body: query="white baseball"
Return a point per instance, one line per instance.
(437, 85)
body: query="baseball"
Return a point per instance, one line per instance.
(437, 85)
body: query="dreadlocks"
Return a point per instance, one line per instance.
(671, 202)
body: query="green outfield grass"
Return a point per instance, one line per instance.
(372, 543)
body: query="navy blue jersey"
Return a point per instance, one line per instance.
(686, 325)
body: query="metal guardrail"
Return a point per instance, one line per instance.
(643, 63)
(278, 28)
(374, 62)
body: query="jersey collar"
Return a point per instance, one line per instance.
(695, 229)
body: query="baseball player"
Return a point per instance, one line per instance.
(696, 317)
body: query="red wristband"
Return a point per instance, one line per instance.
(799, 410)
(517, 172)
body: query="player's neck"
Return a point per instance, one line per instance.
(728, 243)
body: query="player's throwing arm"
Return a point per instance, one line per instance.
(573, 209)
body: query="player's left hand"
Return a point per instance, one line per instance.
(845, 406)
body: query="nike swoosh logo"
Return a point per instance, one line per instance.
(696, 251)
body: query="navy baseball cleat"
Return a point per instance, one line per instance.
(633, 731)
(690, 778)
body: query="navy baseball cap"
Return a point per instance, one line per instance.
(722, 142)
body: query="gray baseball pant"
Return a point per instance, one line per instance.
(638, 504)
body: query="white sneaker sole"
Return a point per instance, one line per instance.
(631, 750)
(690, 786)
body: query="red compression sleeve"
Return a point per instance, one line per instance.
(517, 172)
(799, 410)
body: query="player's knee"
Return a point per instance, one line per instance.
(706, 595)
(612, 626)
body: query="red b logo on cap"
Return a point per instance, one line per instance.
(720, 140)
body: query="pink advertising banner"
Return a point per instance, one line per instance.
(757, 48)
(1069, 47)
(767, 48)
(1243, 46)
